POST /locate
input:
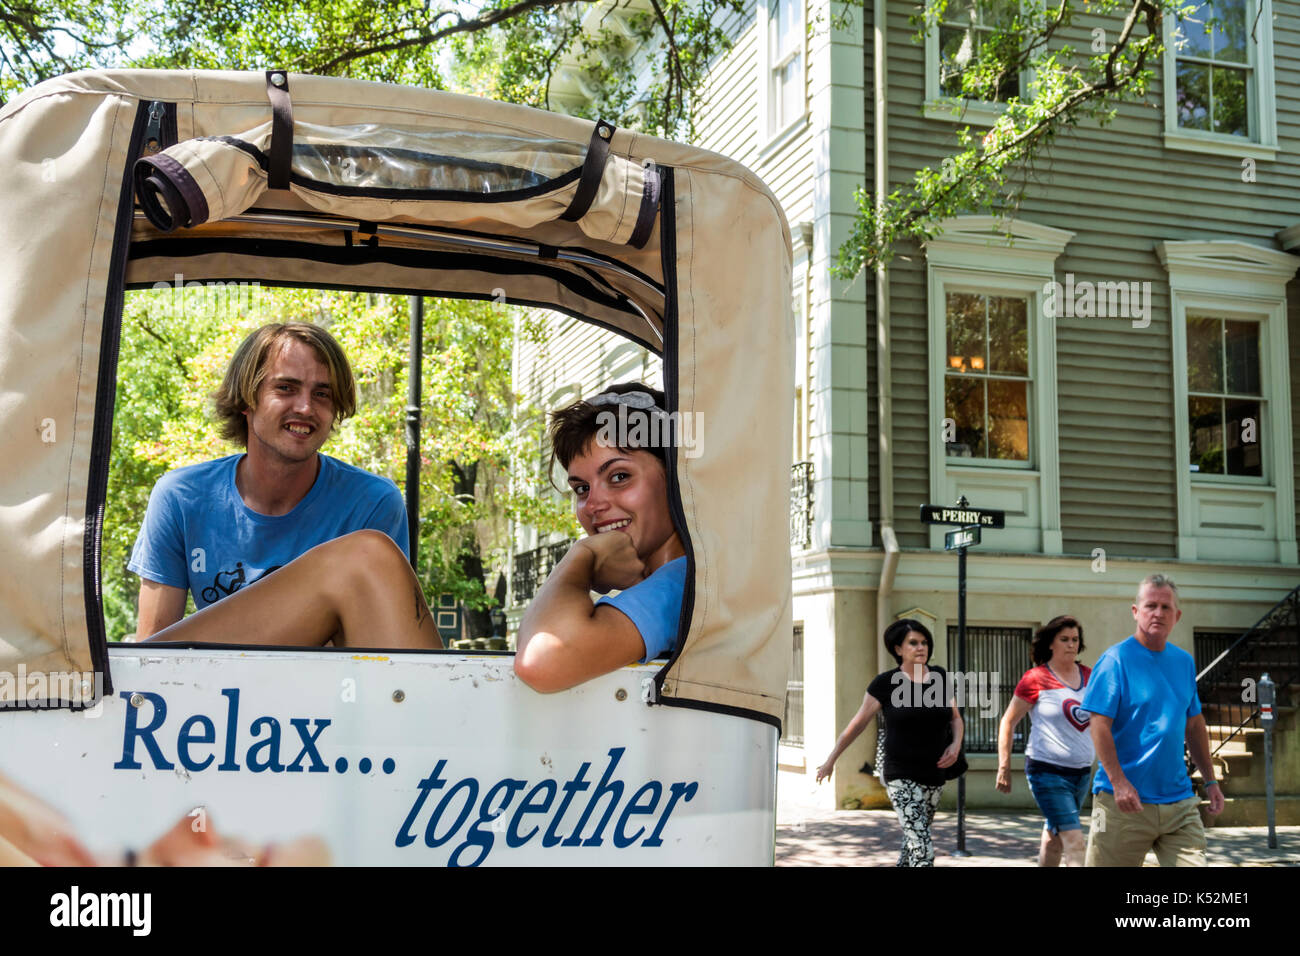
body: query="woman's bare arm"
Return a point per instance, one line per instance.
(870, 707)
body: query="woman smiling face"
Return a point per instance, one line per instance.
(620, 490)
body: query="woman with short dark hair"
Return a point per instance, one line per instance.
(1058, 757)
(614, 448)
(923, 734)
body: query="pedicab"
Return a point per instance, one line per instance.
(124, 179)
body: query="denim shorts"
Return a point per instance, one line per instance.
(1060, 797)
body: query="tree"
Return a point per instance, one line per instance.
(1070, 85)
(641, 59)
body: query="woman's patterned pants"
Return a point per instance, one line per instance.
(915, 804)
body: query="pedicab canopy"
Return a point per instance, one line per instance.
(130, 178)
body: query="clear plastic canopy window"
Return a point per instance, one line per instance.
(391, 157)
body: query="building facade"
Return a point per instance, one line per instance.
(1111, 366)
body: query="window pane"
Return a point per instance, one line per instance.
(1193, 95)
(1008, 336)
(784, 21)
(791, 96)
(1009, 87)
(1194, 31)
(998, 13)
(960, 11)
(1204, 354)
(1008, 420)
(964, 404)
(1230, 101)
(1205, 418)
(1241, 343)
(1229, 30)
(1244, 434)
(966, 348)
(955, 51)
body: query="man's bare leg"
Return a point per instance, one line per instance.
(358, 589)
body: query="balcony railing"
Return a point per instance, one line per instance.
(532, 567)
(801, 504)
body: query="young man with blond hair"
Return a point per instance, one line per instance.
(1144, 706)
(216, 527)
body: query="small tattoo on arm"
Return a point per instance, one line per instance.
(421, 609)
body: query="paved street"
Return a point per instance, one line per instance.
(806, 836)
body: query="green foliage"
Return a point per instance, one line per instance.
(988, 172)
(641, 64)
(175, 348)
(44, 38)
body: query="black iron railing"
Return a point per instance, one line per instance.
(801, 504)
(996, 658)
(1226, 684)
(532, 567)
(792, 725)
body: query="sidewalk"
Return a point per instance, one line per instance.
(807, 836)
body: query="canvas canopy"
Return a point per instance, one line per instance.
(123, 179)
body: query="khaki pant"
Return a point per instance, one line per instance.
(1173, 830)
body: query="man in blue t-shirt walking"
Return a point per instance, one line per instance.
(215, 527)
(1142, 697)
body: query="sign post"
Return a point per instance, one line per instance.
(970, 521)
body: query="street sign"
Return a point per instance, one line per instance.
(961, 538)
(950, 514)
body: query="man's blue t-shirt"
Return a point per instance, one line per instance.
(1149, 696)
(199, 534)
(655, 606)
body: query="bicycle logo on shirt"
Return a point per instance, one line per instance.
(227, 583)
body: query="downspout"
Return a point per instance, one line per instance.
(884, 374)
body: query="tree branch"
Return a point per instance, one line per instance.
(474, 25)
(180, 362)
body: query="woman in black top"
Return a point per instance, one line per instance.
(919, 710)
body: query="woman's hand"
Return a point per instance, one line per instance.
(824, 771)
(1004, 780)
(949, 756)
(615, 564)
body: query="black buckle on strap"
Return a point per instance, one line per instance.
(593, 168)
(281, 153)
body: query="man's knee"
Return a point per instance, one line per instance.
(368, 546)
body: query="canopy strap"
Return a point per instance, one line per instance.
(593, 170)
(281, 153)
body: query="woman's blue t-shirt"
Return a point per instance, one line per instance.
(655, 606)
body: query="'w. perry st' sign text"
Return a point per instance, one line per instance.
(981, 517)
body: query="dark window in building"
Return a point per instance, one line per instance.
(996, 657)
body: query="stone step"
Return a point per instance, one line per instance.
(1246, 735)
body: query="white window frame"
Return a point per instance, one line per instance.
(973, 254)
(954, 108)
(1264, 120)
(1224, 517)
(770, 136)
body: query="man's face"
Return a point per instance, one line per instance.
(295, 407)
(1156, 612)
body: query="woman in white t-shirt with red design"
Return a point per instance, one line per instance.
(1058, 757)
